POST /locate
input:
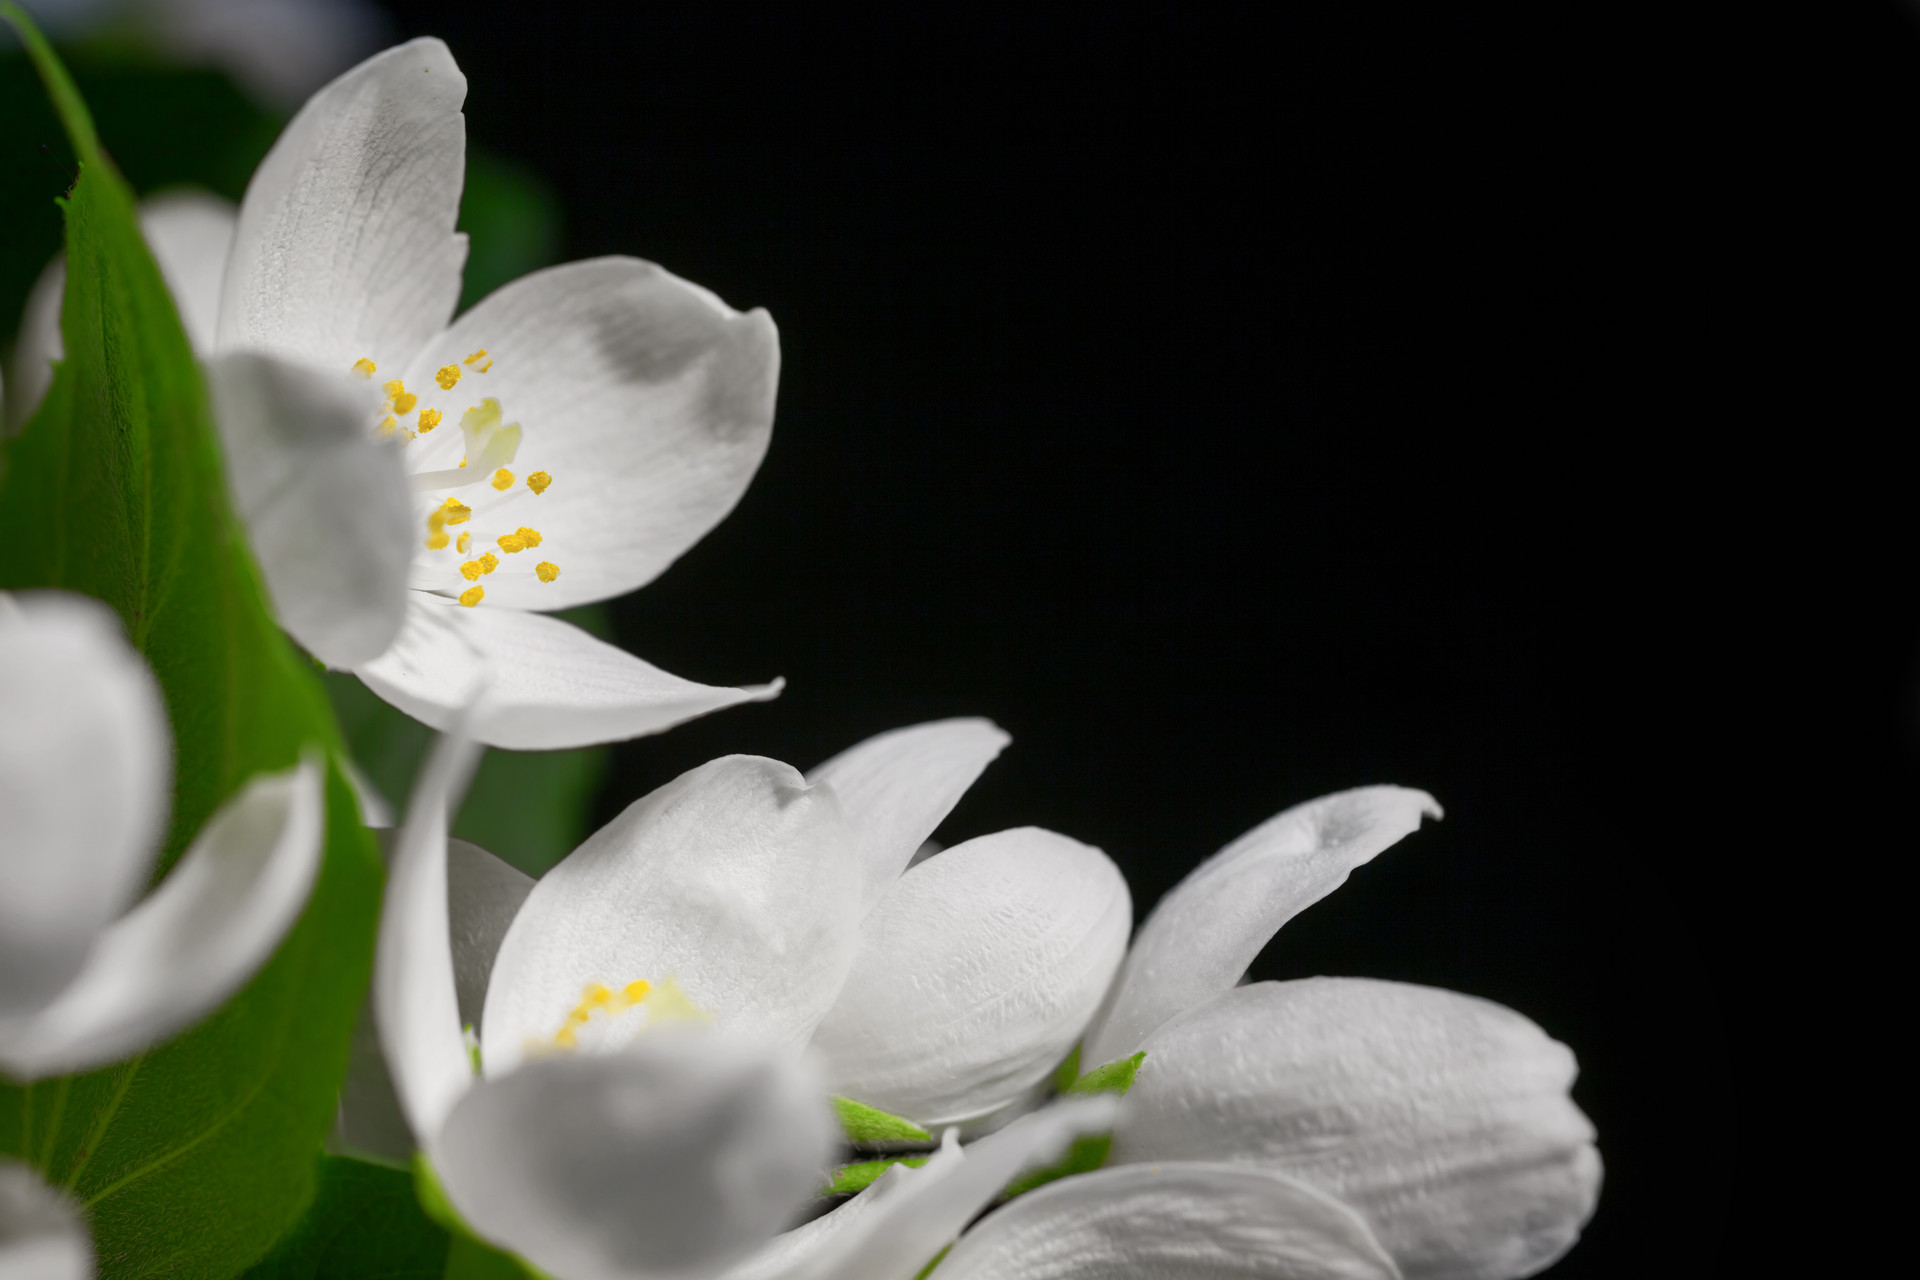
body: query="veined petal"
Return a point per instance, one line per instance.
(977, 972)
(326, 506)
(1442, 1119)
(42, 1236)
(896, 787)
(549, 684)
(734, 887)
(674, 1156)
(1201, 937)
(84, 770)
(190, 233)
(645, 399)
(484, 893)
(195, 940)
(414, 1002)
(345, 248)
(1167, 1222)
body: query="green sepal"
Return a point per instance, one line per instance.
(938, 1258)
(365, 1221)
(1084, 1156)
(858, 1176)
(1115, 1077)
(868, 1126)
(1067, 1072)
(468, 1256)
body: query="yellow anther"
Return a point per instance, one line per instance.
(489, 562)
(596, 992)
(539, 481)
(472, 569)
(404, 402)
(436, 540)
(636, 991)
(547, 570)
(437, 518)
(364, 368)
(449, 375)
(393, 388)
(511, 543)
(503, 479)
(455, 512)
(429, 419)
(529, 536)
(473, 596)
(461, 545)
(566, 1038)
(483, 368)
(476, 356)
(387, 424)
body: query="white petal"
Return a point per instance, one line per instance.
(736, 880)
(896, 787)
(977, 973)
(345, 247)
(549, 684)
(484, 893)
(84, 764)
(1201, 937)
(918, 1212)
(189, 232)
(1443, 1119)
(196, 939)
(326, 505)
(674, 1156)
(42, 1236)
(647, 400)
(1165, 1222)
(414, 1000)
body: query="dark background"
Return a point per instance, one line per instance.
(1236, 409)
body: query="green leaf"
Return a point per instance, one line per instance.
(194, 1157)
(858, 1176)
(1114, 1077)
(365, 1224)
(867, 1125)
(468, 1256)
(512, 221)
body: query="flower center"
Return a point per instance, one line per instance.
(605, 1018)
(491, 446)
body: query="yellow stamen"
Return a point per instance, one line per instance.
(503, 479)
(539, 481)
(472, 569)
(475, 356)
(483, 368)
(455, 511)
(404, 402)
(364, 367)
(489, 562)
(436, 540)
(529, 536)
(511, 543)
(473, 596)
(636, 991)
(448, 376)
(429, 419)
(547, 570)
(461, 545)
(387, 424)
(394, 389)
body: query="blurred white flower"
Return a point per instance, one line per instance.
(418, 492)
(42, 1236)
(91, 972)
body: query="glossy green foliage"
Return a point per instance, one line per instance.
(365, 1224)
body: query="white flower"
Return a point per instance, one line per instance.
(41, 1233)
(1442, 1121)
(90, 972)
(674, 1156)
(608, 415)
(776, 904)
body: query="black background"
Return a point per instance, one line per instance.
(1236, 406)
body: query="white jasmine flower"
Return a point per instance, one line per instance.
(675, 1155)
(42, 1236)
(562, 442)
(90, 971)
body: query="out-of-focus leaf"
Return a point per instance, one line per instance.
(512, 220)
(365, 1224)
(194, 1157)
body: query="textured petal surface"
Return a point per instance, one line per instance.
(42, 1236)
(1201, 937)
(190, 233)
(736, 881)
(326, 506)
(896, 787)
(484, 894)
(195, 940)
(1170, 1221)
(674, 1156)
(548, 683)
(645, 399)
(345, 248)
(414, 1002)
(83, 786)
(1443, 1119)
(977, 972)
